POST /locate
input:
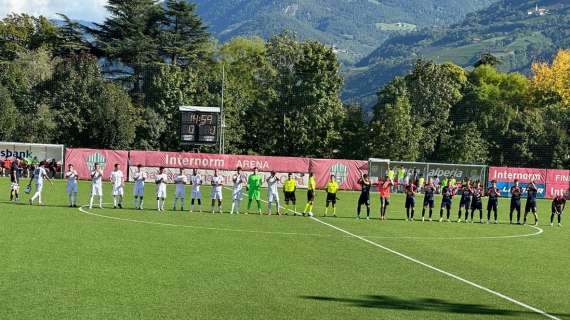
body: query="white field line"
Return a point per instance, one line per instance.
(451, 275)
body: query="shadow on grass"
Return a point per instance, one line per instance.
(424, 305)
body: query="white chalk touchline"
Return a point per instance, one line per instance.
(451, 275)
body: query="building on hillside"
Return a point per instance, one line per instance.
(537, 11)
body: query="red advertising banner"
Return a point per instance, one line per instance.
(558, 183)
(84, 159)
(524, 175)
(347, 172)
(218, 161)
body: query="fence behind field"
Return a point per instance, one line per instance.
(347, 172)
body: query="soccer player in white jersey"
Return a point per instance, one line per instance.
(140, 178)
(196, 182)
(217, 185)
(181, 180)
(71, 188)
(38, 177)
(239, 180)
(96, 186)
(160, 179)
(272, 182)
(118, 182)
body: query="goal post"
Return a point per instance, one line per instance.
(377, 168)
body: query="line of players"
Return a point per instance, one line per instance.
(251, 184)
(472, 194)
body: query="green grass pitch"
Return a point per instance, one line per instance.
(61, 263)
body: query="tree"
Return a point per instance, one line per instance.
(9, 118)
(183, 36)
(551, 83)
(434, 89)
(487, 59)
(20, 34)
(306, 117)
(393, 134)
(70, 40)
(466, 145)
(356, 139)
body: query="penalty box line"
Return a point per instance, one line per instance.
(451, 275)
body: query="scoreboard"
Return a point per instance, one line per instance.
(199, 125)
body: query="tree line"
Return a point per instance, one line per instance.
(118, 85)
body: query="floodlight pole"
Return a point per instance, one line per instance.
(222, 120)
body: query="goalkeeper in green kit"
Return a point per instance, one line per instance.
(254, 183)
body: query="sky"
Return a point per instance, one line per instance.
(90, 10)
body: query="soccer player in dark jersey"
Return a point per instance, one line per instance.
(493, 193)
(15, 175)
(531, 192)
(477, 201)
(429, 192)
(465, 202)
(364, 198)
(410, 200)
(516, 192)
(447, 195)
(558, 205)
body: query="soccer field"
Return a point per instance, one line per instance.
(64, 263)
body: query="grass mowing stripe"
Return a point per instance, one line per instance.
(498, 294)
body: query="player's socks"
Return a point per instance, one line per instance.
(141, 204)
(91, 202)
(326, 211)
(334, 211)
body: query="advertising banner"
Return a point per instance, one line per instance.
(218, 161)
(84, 160)
(557, 183)
(347, 172)
(206, 175)
(31, 151)
(505, 177)
(427, 170)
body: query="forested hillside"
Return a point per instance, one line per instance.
(354, 27)
(510, 29)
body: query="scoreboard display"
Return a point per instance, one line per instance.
(199, 125)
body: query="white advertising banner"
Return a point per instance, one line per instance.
(40, 152)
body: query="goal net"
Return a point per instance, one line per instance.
(377, 168)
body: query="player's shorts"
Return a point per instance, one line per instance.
(556, 209)
(310, 195)
(216, 195)
(161, 192)
(180, 194)
(410, 202)
(97, 190)
(118, 190)
(516, 204)
(465, 203)
(15, 186)
(364, 199)
(237, 195)
(477, 205)
(273, 196)
(384, 201)
(139, 190)
(331, 198)
(71, 188)
(290, 196)
(446, 203)
(254, 194)
(196, 194)
(429, 203)
(492, 204)
(39, 187)
(401, 182)
(530, 206)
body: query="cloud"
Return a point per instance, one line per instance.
(91, 10)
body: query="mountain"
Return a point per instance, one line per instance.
(354, 27)
(513, 30)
